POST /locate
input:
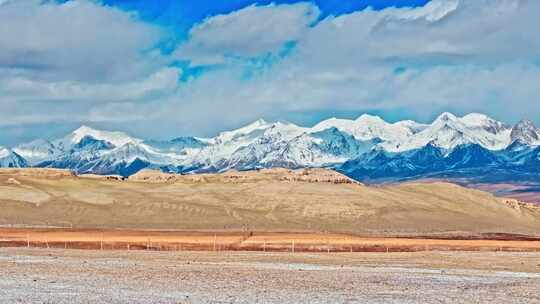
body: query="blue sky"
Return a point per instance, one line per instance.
(183, 14)
(160, 69)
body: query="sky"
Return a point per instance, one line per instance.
(162, 69)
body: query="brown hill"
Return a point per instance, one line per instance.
(269, 200)
(301, 175)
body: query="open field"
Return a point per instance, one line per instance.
(523, 191)
(252, 241)
(274, 236)
(317, 201)
(85, 276)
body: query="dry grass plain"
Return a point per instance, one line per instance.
(270, 200)
(274, 236)
(269, 210)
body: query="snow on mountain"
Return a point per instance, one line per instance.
(413, 126)
(243, 148)
(131, 157)
(178, 144)
(379, 163)
(366, 146)
(429, 160)
(10, 159)
(525, 132)
(99, 156)
(336, 146)
(470, 156)
(449, 131)
(131, 151)
(41, 150)
(38, 151)
(88, 150)
(226, 143)
(240, 133)
(116, 138)
(367, 127)
(283, 145)
(324, 148)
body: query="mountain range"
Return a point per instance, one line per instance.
(367, 149)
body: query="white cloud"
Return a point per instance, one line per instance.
(163, 81)
(468, 55)
(78, 40)
(249, 32)
(63, 62)
(457, 55)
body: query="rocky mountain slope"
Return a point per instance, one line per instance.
(10, 159)
(367, 148)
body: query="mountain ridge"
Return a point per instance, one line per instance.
(367, 148)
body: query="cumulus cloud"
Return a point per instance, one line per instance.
(77, 40)
(74, 58)
(21, 88)
(456, 55)
(249, 32)
(467, 55)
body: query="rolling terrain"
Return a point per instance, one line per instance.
(314, 200)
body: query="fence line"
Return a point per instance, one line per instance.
(28, 242)
(24, 239)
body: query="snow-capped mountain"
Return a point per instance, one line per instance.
(526, 133)
(291, 146)
(38, 150)
(368, 127)
(10, 159)
(116, 138)
(124, 155)
(42, 150)
(449, 131)
(366, 148)
(178, 144)
(87, 150)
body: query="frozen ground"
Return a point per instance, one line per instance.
(77, 276)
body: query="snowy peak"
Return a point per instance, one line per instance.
(366, 127)
(223, 137)
(449, 131)
(10, 159)
(484, 122)
(472, 120)
(4, 152)
(38, 150)
(284, 130)
(345, 125)
(403, 144)
(116, 138)
(445, 117)
(370, 119)
(477, 119)
(525, 132)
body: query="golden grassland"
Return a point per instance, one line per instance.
(268, 200)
